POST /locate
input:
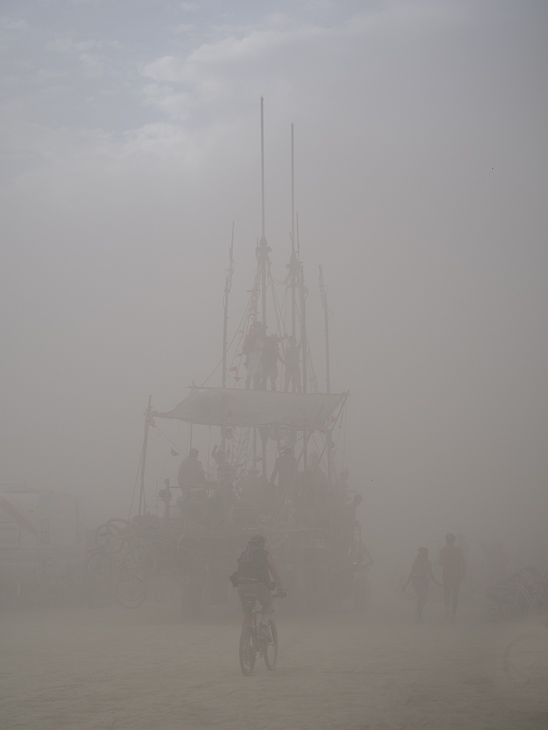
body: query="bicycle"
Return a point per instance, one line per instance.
(254, 642)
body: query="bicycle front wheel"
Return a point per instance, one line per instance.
(271, 647)
(247, 651)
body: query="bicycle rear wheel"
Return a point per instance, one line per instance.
(271, 647)
(247, 651)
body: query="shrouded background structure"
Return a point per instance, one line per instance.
(130, 143)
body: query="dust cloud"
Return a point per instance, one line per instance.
(131, 175)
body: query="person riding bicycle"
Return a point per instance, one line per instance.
(255, 566)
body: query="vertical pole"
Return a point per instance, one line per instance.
(262, 167)
(190, 431)
(263, 291)
(228, 284)
(293, 184)
(263, 259)
(293, 256)
(264, 439)
(304, 346)
(323, 292)
(144, 456)
(263, 247)
(304, 343)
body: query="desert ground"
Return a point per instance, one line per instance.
(148, 668)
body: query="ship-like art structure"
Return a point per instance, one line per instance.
(271, 439)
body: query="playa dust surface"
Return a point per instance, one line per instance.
(149, 669)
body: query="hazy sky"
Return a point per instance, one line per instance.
(130, 143)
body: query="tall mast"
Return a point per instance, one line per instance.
(302, 289)
(262, 170)
(293, 183)
(262, 263)
(263, 246)
(293, 265)
(228, 286)
(323, 292)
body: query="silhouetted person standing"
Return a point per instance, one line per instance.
(191, 474)
(420, 576)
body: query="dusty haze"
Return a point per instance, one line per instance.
(130, 144)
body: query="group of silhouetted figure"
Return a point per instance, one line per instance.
(294, 497)
(262, 355)
(453, 568)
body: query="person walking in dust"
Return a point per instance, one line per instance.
(453, 567)
(420, 576)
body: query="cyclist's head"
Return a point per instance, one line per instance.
(450, 538)
(422, 553)
(257, 541)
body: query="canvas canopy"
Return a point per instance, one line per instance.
(234, 407)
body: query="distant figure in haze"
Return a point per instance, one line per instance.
(420, 576)
(292, 374)
(191, 474)
(453, 567)
(269, 362)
